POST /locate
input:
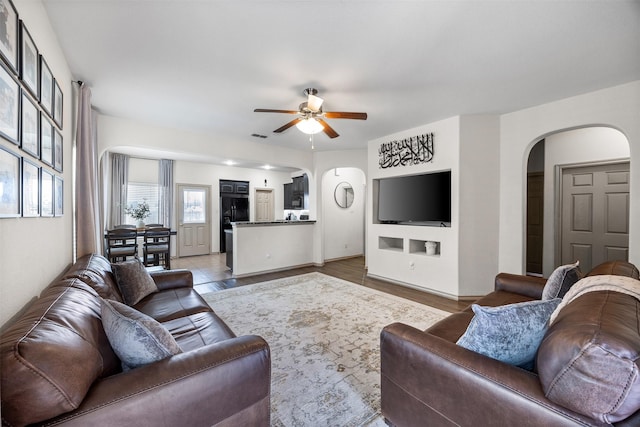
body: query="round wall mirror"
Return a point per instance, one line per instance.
(343, 195)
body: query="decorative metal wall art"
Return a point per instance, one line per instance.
(409, 151)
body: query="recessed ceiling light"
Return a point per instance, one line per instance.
(267, 167)
(229, 163)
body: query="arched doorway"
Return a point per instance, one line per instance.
(549, 208)
(343, 213)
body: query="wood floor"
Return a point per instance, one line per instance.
(210, 273)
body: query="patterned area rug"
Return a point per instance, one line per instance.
(324, 335)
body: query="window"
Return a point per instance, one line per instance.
(137, 192)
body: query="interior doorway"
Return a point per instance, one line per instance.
(265, 205)
(594, 214)
(564, 150)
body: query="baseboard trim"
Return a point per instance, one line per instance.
(427, 290)
(275, 270)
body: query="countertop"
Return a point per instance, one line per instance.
(269, 223)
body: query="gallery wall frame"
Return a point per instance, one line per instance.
(10, 184)
(46, 87)
(57, 150)
(58, 103)
(58, 196)
(10, 117)
(30, 59)
(30, 189)
(46, 140)
(46, 198)
(31, 118)
(9, 49)
(29, 126)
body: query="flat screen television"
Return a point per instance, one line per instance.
(416, 199)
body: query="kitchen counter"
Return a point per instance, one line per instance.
(261, 247)
(276, 222)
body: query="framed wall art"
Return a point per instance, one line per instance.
(46, 191)
(9, 34)
(29, 63)
(46, 87)
(10, 101)
(46, 140)
(30, 189)
(57, 104)
(58, 196)
(57, 150)
(10, 165)
(30, 129)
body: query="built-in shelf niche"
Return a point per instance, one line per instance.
(424, 247)
(391, 243)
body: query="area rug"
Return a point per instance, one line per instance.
(324, 335)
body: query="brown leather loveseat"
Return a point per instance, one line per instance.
(58, 367)
(591, 349)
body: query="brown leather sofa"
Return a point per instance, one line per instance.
(428, 380)
(58, 368)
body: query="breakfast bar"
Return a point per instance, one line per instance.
(260, 247)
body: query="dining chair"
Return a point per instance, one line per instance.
(121, 243)
(157, 247)
(153, 225)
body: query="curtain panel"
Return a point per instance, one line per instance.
(165, 183)
(119, 180)
(88, 230)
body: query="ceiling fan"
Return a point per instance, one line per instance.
(311, 117)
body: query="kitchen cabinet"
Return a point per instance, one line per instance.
(296, 194)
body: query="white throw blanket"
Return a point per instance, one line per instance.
(623, 284)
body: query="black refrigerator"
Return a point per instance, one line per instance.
(233, 207)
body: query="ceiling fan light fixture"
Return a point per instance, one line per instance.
(314, 103)
(309, 126)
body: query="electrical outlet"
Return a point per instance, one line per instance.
(412, 265)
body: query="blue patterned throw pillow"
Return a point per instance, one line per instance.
(510, 333)
(136, 338)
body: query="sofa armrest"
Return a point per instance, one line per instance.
(426, 380)
(524, 285)
(172, 279)
(227, 383)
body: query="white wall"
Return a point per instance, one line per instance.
(344, 227)
(33, 251)
(437, 274)
(617, 107)
(585, 145)
(479, 204)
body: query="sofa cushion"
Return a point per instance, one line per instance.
(172, 303)
(509, 333)
(588, 360)
(561, 280)
(133, 281)
(197, 330)
(95, 271)
(53, 353)
(136, 338)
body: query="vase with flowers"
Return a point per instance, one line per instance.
(138, 211)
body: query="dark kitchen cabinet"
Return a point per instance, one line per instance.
(296, 194)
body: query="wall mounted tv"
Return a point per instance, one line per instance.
(416, 199)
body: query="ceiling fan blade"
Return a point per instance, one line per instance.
(288, 125)
(328, 129)
(345, 115)
(268, 110)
